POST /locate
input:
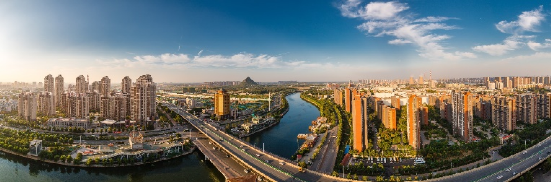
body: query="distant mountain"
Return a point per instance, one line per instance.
(248, 82)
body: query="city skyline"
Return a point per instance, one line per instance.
(273, 41)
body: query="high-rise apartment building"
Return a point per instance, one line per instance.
(95, 99)
(413, 124)
(544, 105)
(49, 83)
(222, 104)
(483, 107)
(504, 113)
(118, 110)
(462, 114)
(126, 84)
(95, 86)
(389, 117)
(395, 102)
(359, 122)
(46, 104)
(27, 106)
(142, 98)
(59, 90)
(77, 105)
(526, 108)
(105, 86)
(348, 99)
(81, 85)
(424, 115)
(337, 96)
(105, 107)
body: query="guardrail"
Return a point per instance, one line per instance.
(242, 142)
(492, 164)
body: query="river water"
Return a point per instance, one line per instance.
(186, 168)
(280, 140)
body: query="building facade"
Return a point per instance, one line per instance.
(462, 115)
(105, 86)
(413, 124)
(222, 104)
(142, 98)
(49, 83)
(27, 107)
(359, 122)
(59, 90)
(46, 104)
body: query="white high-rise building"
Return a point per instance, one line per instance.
(105, 86)
(81, 85)
(27, 106)
(59, 89)
(78, 105)
(126, 84)
(49, 83)
(142, 98)
(462, 114)
(46, 104)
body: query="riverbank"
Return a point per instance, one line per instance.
(277, 120)
(281, 138)
(269, 126)
(83, 165)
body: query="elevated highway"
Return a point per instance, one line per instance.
(270, 166)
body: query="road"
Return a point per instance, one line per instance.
(274, 167)
(328, 154)
(504, 169)
(227, 166)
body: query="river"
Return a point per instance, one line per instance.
(186, 168)
(281, 139)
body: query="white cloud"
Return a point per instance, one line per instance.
(380, 10)
(182, 61)
(498, 49)
(538, 56)
(399, 41)
(537, 46)
(432, 19)
(530, 19)
(527, 21)
(465, 54)
(373, 10)
(384, 19)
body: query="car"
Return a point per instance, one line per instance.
(524, 152)
(514, 173)
(508, 169)
(500, 176)
(258, 155)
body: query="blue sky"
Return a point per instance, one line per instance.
(334, 40)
